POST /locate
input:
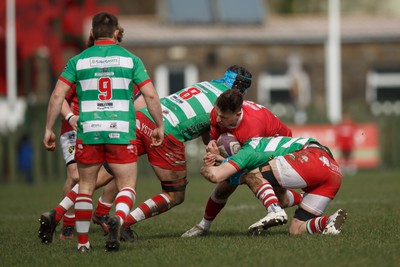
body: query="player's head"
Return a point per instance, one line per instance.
(228, 108)
(105, 25)
(120, 36)
(237, 77)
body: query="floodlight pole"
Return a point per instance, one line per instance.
(11, 55)
(333, 64)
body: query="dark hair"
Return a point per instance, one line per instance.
(120, 35)
(243, 79)
(103, 25)
(230, 101)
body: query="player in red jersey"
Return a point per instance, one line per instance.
(345, 132)
(244, 119)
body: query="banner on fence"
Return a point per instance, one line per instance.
(366, 138)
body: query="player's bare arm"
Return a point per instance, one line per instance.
(67, 113)
(153, 103)
(217, 174)
(54, 109)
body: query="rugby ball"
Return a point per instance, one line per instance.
(228, 145)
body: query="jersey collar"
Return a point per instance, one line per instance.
(104, 42)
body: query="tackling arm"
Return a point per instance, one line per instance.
(217, 174)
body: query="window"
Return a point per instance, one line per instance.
(383, 85)
(240, 11)
(172, 78)
(274, 88)
(189, 11)
(216, 11)
(383, 91)
(286, 90)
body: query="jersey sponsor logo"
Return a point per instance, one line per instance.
(101, 62)
(105, 105)
(304, 159)
(176, 99)
(95, 125)
(325, 162)
(170, 116)
(146, 130)
(113, 125)
(114, 135)
(131, 149)
(101, 74)
(114, 105)
(103, 126)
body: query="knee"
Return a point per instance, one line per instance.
(176, 198)
(223, 191)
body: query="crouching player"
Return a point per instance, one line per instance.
(287, 163)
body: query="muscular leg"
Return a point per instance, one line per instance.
(307, 218)
(216, 202)
(125, 176)
(261, 186)
(173, 194)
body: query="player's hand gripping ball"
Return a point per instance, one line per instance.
(228, 145)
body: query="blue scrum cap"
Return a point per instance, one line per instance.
(237, 77)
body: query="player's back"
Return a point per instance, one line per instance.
(259, 150)
(187, 112)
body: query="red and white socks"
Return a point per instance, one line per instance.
(265, 193)
(124, 202)
(316, 225)
(150, 208)
(83, 214)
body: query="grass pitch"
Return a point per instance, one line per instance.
(371, 235)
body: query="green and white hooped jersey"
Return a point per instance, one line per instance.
(186, 113)
(104, 75)
(259, 150)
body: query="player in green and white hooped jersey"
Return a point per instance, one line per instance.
(104, 74)
(287, 163)
(186, 116)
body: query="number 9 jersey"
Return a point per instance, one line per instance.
(104, 75)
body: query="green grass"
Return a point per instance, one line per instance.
(371, 235)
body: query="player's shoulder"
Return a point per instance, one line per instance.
(125, 52)
(257, 111)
